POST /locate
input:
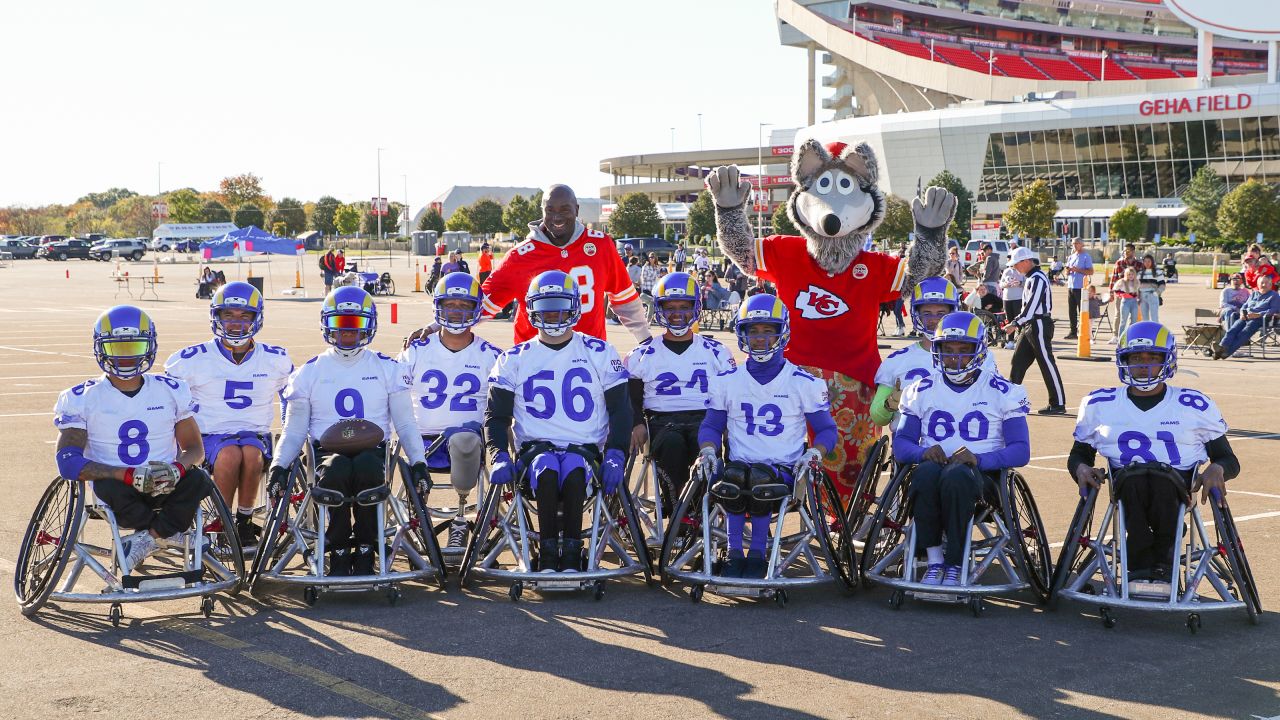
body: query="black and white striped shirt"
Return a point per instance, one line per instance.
(1036, 297)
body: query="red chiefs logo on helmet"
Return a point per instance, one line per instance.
(816, 303)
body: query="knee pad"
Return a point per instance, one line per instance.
(767, 489)
(730, 490)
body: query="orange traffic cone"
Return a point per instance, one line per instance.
(1084, 349)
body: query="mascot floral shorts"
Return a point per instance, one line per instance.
(851, 408)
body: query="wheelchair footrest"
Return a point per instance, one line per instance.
(167, 581)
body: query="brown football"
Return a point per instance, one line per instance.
(350, 436)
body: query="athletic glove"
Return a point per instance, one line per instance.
(614, 464)
(277, 482)
(503, 470)
(811, 459)
(421, 478)
(154, 478)
(708, 460)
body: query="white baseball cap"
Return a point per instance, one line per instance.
(1023, 253)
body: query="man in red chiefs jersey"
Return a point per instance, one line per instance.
(559, 242)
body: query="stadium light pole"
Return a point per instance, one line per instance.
(673, 139)
(700, 132)
(760, 172)
(408, 231)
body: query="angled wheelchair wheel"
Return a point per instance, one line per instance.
(424, 530)
(635, 531)
(485, 535)
(837, 536)
(1023, 519)
(275, 528)
(683, 527)
(1074, 553)
(888, 524)
(1242, 574)
(46, 546)
(865, 492)
(220, 533)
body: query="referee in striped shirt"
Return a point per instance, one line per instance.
(1035, 341)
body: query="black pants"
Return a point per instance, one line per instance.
(167, 515)
(1012, 308)
(1073, 308)
(1035, 344)
(350, 475)
(1151, 520)
(673, 444)
(560, 505)
(943, 499)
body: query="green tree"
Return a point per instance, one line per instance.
(486, 217)
(132, 215)
(346, 219)
(249, 214)
(1247, 210)
(107, 198)
(897, 225)
(1129, 223)
(185, 206)
(390, 221)
(459, 221)
(782, 224)
(964, 204)
(280, 229)
(1030, 213)
(702, 217)
(291, 215)
(520, 212)
(1202, 196)
(237, 190)
(431, 220)
(635, 216)
(215, 212)
(322, 215)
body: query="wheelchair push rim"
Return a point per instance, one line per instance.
(54, 524)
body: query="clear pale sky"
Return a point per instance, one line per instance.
(303, 93)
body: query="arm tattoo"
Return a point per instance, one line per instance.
(79, 437)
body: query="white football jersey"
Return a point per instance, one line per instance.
(338, 390)
(449, 388)
(906, 365)
(231, 398)
(126, 431)
(677, 382)
(1173, 432)
(971, 418)
(560, 393)
(766, 423)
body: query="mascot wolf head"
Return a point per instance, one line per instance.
(836, 203)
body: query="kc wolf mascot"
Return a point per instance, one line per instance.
(831, 285)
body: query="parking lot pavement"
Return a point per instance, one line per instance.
(641, 652)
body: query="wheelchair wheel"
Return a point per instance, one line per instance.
(484, 537)
(1023, 519)
(424, 531)
(635, 531)
(864, 493)
(683, 526)
(273, 543)
(838, 539)
(45, 550)
(220, 532)
(888, 524)
(1229, 540)
(1073, 554)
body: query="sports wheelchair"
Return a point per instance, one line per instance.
(504, 546)
(437, 517)
(646, 494)
(996, 335)
(865, 499)
(207, 561)
(817, 552)
(1006, 551)
(1208, 573)
(298, 518)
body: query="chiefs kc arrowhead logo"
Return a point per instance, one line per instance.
(818, 304)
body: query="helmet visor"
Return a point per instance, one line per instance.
(125, 348)
(347, 322)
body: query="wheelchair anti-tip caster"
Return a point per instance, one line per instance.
(598, 593)
(895, 599)
(517, 589)
(1193, 623)
(117, 614)
(206, 606)
(310, 595)
(393, 595)
(780, 597)
(976, 606)
(1108, 620)
(695, 593)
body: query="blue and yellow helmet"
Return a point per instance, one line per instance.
(458, 286)
(762, 308)
(349, 308)
(676, 286)
(964, 327)
(932, 291)
(124, 342)
(239, 296)
(1146, 336)
(553, 291)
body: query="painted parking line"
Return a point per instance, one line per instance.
(40, 377)
(44, 352)
(1210, 523)
(35, 414)
(1049, 457)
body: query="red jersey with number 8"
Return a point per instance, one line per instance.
(591, 259)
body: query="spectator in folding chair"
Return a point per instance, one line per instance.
(1263, 307)
(1232, 301)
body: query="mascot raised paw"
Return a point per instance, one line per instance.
(831, 285)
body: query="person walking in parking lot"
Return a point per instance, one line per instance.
(990, 268)
(1079, 269)
(1035, 342)
(678, 257)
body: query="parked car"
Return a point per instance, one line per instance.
(125, 247)
(645, 245)
(65, 249)
(18, 248)
(969, 254)
(46, 239)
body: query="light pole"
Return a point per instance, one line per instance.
(760, 173)
(700, 131)
(158, 164)
(408, 231)
(377, 202)
(673, 139)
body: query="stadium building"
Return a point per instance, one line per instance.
(1108, 101)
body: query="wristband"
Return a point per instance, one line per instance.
(128, 476)
(71, 462)
(181, 470)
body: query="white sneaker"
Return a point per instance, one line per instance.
(899, 332)
(136, 547)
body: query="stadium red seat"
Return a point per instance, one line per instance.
(1062, 69)
(1017, 66)
(909, 47)
(963, 57)
(1152, 73)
